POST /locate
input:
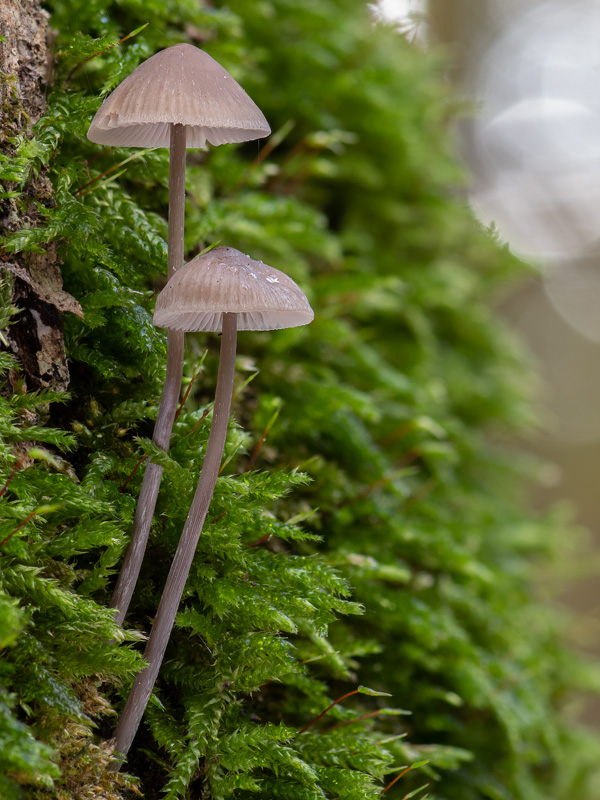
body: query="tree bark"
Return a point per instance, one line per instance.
(36, 337)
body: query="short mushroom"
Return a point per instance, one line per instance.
(222, 290)
(178, 98)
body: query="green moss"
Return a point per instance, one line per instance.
(379, 537)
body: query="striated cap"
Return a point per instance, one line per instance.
(225, 280)
(183, 85)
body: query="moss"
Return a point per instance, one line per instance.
(379, 537)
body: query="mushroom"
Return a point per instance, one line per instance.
(222, 290)
(178, 98)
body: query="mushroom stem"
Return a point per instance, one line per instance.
(177, 144)
(184, 555)
(144, 512)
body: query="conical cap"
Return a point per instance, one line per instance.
(183, 85)
(225, 280)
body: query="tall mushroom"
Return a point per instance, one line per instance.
(179, 98)
(223, 290)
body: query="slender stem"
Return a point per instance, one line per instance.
(331, 705)
(144, 512)
(176, 198)
(18, 528)
(182, 562)
(133, 471)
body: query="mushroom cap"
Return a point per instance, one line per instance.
(227, 281)
(183, 85)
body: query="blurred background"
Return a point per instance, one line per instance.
(532, 149)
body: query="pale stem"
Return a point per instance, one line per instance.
(184, 555)
(144, 512)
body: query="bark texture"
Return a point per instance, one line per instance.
(36, 336)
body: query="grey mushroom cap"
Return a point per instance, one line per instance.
(180, 85)
(227, 281)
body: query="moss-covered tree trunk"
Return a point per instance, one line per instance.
(366, 528)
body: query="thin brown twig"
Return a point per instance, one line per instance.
(186, 395)
(268, 148)
(257, 448)
(15, 469)
(351, 721)
(397, 778)
(133, 471)
(18, 528)
(204, 415)
(89, 161)
(330, 706)
(302, 173)
(118, 175)
(67, 80)
(79, 192)
(258, 542)
(261, 441)
(297, 150)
